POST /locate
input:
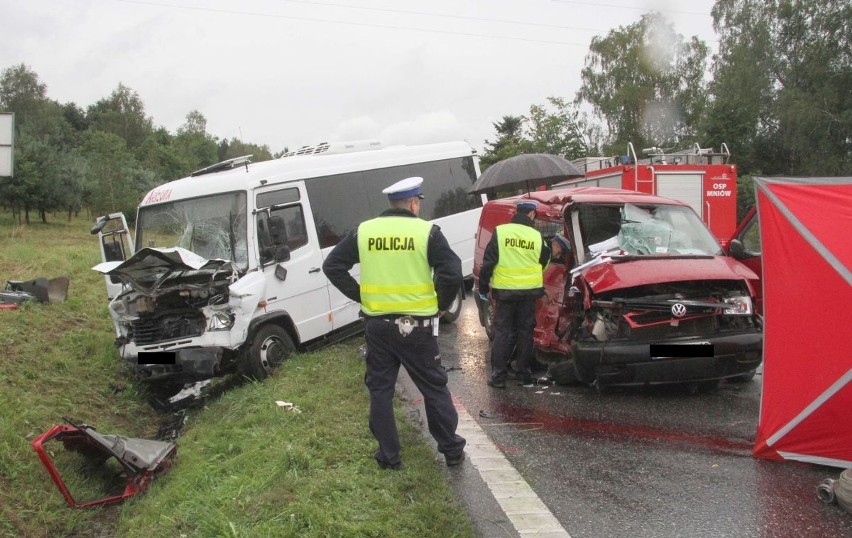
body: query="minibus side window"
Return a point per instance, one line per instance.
(280, 223)
(279, 227)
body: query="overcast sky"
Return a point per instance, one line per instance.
(289, 73)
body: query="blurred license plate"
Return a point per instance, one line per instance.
(156, 357)
(671, 351)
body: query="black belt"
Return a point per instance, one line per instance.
(414, 322)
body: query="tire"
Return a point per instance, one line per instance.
(452, 313)
(490, 331)
(269, 349)
(543, 360)
(584, 375)
(563, 373)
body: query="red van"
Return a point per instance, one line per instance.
(646, 294)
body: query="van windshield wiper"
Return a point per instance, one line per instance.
(630, 257)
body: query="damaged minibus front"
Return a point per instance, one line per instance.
(184, 311)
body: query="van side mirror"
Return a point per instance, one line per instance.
(736, 249)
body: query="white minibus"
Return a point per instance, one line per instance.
(226, 271)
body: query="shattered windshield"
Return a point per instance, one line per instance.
(647, 230)
(212, 227)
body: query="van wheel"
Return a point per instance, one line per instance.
(490, 331)
(452, 313)
(563, 373)
(584, 374)
(269, 349)
(543, 360)
(468, 284)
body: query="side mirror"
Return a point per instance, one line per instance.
(99, 225)
(736, 249)
(281, 273)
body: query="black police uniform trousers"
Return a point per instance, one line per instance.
(418, 353)
(514, 321)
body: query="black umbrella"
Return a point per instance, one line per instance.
(529, 170)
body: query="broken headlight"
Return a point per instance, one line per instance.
(739, 305)
(220, 320)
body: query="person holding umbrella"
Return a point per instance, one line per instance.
(512, 271)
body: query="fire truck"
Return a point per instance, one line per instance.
(702, 177)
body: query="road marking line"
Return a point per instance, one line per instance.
(519, 502)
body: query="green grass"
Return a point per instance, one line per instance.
(245, 466)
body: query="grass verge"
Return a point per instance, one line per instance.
(245, 466)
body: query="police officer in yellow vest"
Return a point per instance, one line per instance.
(401, 303)
(512, 271)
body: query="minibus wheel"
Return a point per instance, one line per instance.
(270, 347)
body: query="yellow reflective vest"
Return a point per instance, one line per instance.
(518, 250)
(395, 273)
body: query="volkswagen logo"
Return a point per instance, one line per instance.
(678, 310)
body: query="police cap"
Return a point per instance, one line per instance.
(563, 242)
(405, 188)
(526, 206)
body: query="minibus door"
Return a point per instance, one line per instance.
(292, 262)
(115, 245)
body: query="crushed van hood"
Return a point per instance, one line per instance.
(151, 270)
(618, 273)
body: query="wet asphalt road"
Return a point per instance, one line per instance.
(641, 462)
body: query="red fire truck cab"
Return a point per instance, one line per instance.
(701, 177)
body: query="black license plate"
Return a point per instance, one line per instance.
(156, 357)
(671, 351)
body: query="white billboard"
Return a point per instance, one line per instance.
(7, 143)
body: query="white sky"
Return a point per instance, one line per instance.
(289, 73)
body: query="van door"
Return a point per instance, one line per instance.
(297, 285)
(115, 245)
(750, 253)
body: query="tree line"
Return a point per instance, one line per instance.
(778, 93)
(103, 158)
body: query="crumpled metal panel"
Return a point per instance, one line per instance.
(141, 459)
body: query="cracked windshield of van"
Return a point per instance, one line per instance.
(212, 227)
(649, 230)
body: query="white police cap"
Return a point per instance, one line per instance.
(405, 188)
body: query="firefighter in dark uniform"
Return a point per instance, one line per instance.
(402, 303)
(512, 271)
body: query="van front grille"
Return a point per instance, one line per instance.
(153, 330)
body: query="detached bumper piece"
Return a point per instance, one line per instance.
(140, 460)
(40, 289)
